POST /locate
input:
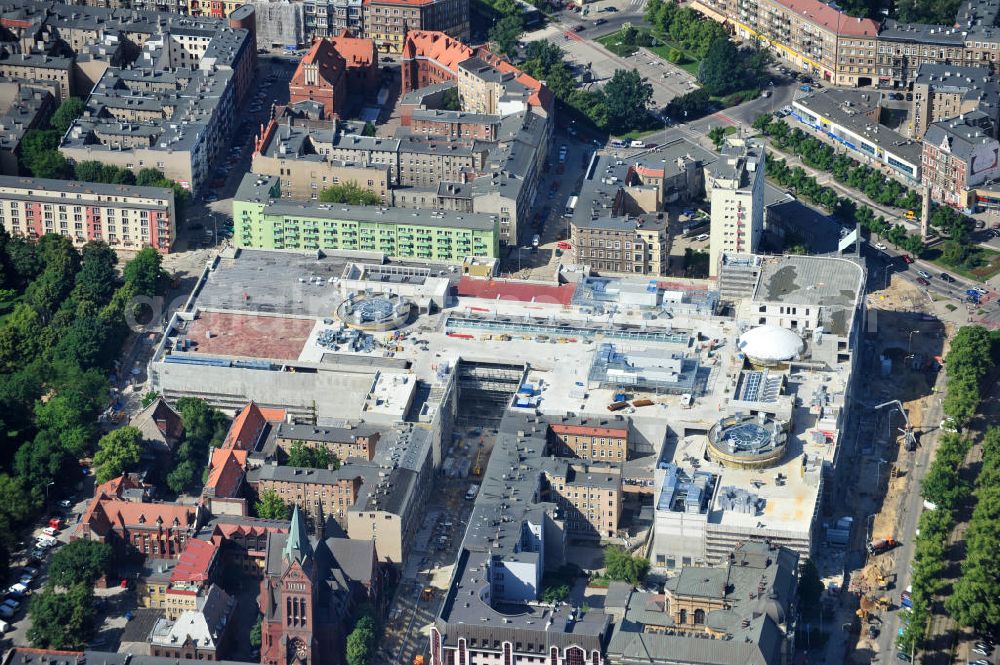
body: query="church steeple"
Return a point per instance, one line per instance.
(297, 546)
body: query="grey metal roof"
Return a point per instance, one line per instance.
(959, 136)
(44, 188)
(306, 432)
(835, 284)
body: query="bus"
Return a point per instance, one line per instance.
(570, 206)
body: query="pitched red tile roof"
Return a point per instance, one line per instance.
(249, 424)
(227, 468)
(831, 19)
(330, 65)
(355, 51)
(103, 514)
(195, 561)
(448, 52)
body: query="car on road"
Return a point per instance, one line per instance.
(579, 27)
(701, 238)
(907, 259)
(905, 657)
(600, 21)
(65, 503)
(980, 290)
(211, 197)
(922, 282)
(946, 277)
(562, 244)
(880, 246)
(924, 274)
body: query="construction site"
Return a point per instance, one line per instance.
(901, 417)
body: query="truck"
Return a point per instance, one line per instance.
(881, 545)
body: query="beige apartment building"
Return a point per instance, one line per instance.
(734, 185)
(588, 496)
(597, 439)
(38, 68)
(387, 21)
(332, 491)
(627, 245)
(942, 92)
(350, 442)
(807, 35)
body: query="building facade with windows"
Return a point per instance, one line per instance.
(960, 155)
(124, 216)
(389, 21)
(265, 221)
(735, 188)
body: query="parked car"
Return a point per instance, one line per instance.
(922, 282)
(880, 246)
(907, 259)
(6, 612)
(946, 277)
(65, 503)
(18, 590)
(13, 604)
(701, 237)
(49, 531)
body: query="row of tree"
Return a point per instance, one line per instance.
(58, 343)
(970, 358)
(350, 193)
(955, 251)
(684, 27)
(974, 601)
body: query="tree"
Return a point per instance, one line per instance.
(369, 129)
(717, 135)
(361, 642)
(80, 562)
(149, 398)
(51, 164)
(145, 273)
(620, 565)
(255, 637)
(182, 476)
(450, 100)
(62, 620)
(350, 193)
(96, 279)
(89, 171)
(68, 111)
(555, 594)
(721, 71)
(303, 456)
(505, 33)
(149, 177)
(626, 97)
(270, 506)
(628, 34)
(117, 452)
(35, 145)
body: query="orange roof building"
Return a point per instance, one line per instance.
(333, 71)
(226, 471)
(484, 79)
(156, 530)
(249, 425)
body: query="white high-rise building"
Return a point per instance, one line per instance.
(735, 187)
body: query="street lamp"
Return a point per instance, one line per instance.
(47, 486)
(878, 470)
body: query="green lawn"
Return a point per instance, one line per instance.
(988, 269)
(688, 64)
(613, 43)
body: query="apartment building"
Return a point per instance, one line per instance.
(37, 67)
(326, 18)
(153, 530)
(23, 107)
(904, 47)
(596, 439)
(389, 22)
(621, 244)
(204, 633)
(588, 496)
(300, 158)
(941, 92)
(264, 220)
(959, 155)
(315, 491)
(735, 188)
(124, 216)
(334, 72)
(807, 35)
(350, 442)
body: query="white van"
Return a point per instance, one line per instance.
(637, 144)
(4, 627)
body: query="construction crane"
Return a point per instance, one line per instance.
(909, 438)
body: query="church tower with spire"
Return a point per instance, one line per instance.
(290, 587)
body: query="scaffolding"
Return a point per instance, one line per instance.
(549, 327)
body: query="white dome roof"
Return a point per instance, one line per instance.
(770, 344)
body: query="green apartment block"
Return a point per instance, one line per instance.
(263, 220)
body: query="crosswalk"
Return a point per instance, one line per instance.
(637, 5)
